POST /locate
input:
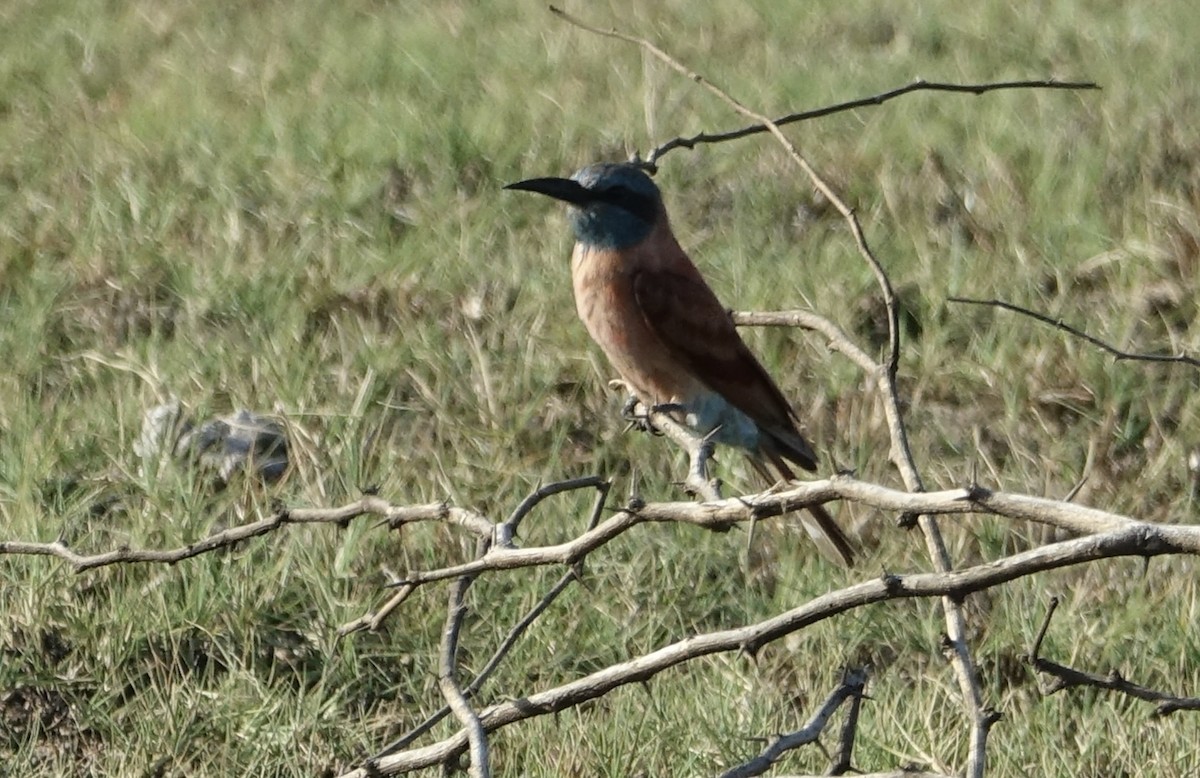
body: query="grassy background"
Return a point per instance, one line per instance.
(296, 207)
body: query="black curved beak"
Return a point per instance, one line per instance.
(559, 188)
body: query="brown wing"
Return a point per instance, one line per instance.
(687, 317)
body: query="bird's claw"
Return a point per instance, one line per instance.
(641, 418)
(638, 417)
(669, 409)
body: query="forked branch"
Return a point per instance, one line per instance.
(1065, 677)
(1129, 541)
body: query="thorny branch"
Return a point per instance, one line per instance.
(502, 536)
(1108, 535)
(1118, 354)
(851, 688)
(509, 640)
(904, 773)
(699, 451)
(919, 85)
(1133, 540)
(1067, 677)
(717, 515)
(456, 700)
(396, 516)
(843, 760)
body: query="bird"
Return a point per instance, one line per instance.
(661, 326)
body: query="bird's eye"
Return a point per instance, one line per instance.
(636, 203)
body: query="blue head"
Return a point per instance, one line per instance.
(612, 205)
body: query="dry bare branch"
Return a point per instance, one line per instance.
(838, 340)
(1067, 677)
(396, 516)
(1137, 540)
(892, 774)
(851, 688)
(699, 451)
(507, 530)
(843, 758)
(718, 515)
(371, 621)
(509, 640)
(919, 85)
(447, 678)
(721, 514)
(1059, 324)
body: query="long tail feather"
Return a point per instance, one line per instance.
(829, 537)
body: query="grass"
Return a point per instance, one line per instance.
(296, 207)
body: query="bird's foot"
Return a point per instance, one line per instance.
(638, 417)
(670, 409)
(641, 418)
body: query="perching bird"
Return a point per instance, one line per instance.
(662, 328)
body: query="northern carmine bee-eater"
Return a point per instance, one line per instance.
(662, 328)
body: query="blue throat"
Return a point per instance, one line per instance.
(606, 226)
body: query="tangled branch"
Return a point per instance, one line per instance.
(1135, 540)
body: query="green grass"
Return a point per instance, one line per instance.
(296, 207)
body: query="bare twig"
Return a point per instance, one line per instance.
(851, 687)
(700, 452)
(715, 515)
(371, 621)
(838, 340)
(843, 758)
(501, 535)
(919, 85)
(506, 531)
(1129, 541)
(505, 646)
(699, 449)
(1066, 677)
(720, 514)
(1118, 354)
(368, 504)
(1036, 649)
(510, 640)
(447, 682)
